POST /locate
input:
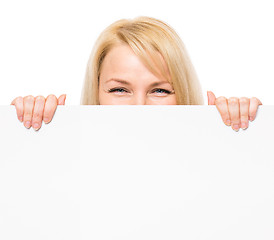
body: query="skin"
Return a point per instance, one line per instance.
(136, 89)
(121, 63)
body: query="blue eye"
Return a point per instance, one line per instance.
(162, 90)
(122, 90)
(117, 90)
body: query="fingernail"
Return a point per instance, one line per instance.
(228, 122)
(27, 124)
(46, 120)
(21, 119)
(236, 127)
(251, 118)
(244, 125)
(36, 126)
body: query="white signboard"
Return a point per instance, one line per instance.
(136, 172)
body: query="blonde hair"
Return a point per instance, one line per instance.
(147, 37)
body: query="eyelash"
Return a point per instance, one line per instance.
(116, 89)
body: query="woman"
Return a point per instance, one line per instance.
(139, 61)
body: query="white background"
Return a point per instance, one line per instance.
(151, 172)
(45, 45)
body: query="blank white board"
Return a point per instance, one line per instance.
(136, 172)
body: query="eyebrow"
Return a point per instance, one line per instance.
(128, 83)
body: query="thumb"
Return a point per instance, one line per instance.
(211, 98)
(62, 99)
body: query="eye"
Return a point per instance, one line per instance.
(157, 90)
(120, 90)
(160, 90)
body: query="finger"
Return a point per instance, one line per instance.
(211, 98)
(28, 109)
(234, 112)
(221, 104)
(13, 101)
(62, 99)
(50, 107)
(253, 107)
(244, 111)
(37, 115)
(19, 105)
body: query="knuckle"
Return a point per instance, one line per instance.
(254, 99)
(244, 100)
(244, 118)
(27, 116)
(235, 122)
(40, 97)
(28, 97)
(220, 100)
(37, 115)
(233, 100)
(20, 98)
(51, 96)
(244, 115)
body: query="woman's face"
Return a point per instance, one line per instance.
(124, 80)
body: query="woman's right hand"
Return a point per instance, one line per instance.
(33, 110)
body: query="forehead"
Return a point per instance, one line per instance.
(121, 59)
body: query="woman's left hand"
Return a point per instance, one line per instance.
(235, 112)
